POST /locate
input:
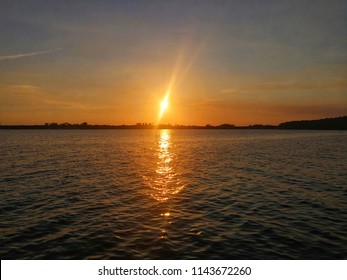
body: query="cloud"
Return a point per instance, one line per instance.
(31, 104)
(16, 56)
(323, 78)
(285, 86)
(30, 97)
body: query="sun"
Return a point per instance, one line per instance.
(164, 105)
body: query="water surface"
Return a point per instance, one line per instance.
(173, 194)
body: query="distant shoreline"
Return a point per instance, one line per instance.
(338, 123)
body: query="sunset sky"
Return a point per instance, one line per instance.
(112, 62)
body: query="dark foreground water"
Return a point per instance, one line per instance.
(179, 194)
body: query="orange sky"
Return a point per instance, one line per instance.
(103, 62)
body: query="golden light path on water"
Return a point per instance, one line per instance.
(165, 183)
(162, 177)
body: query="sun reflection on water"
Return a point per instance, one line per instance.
(165, 182)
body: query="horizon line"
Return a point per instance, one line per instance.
(151, 124)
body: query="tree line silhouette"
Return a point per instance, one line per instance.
(338, 123)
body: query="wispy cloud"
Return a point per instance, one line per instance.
(290, 86)
(21, 55)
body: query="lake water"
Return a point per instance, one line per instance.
(173, 194)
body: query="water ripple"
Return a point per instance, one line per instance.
(173, 195)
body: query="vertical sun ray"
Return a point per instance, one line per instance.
(180, 69)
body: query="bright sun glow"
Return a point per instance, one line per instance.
(164, 105)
